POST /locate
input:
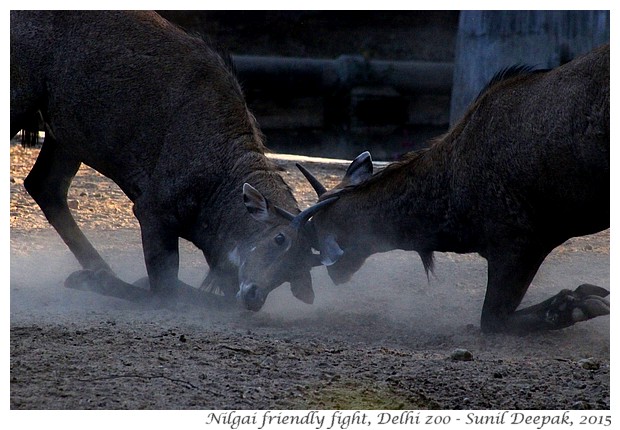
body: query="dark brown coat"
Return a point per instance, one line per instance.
(526, 168)
(161, 114)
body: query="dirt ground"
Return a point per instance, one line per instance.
(382, 341)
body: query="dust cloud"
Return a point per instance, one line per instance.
(389, 301)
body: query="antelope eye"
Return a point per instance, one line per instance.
(279, 239)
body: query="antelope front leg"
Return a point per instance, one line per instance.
(160, 243)
(567, 308)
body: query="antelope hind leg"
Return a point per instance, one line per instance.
(106, 283)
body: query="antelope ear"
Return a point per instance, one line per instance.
(359, 170)
(257, 205)
(302, 288)
(330, 250)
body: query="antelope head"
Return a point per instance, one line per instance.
(279, 253)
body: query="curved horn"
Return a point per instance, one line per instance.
(306, 214)
(318, 187)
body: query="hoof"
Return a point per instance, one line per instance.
(569, 307)
(585, 290)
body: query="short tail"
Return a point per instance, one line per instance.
(30, 138)
(428, 261)
(30, 132)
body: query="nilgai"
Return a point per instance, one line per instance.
(525, 169)
(161, 114)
